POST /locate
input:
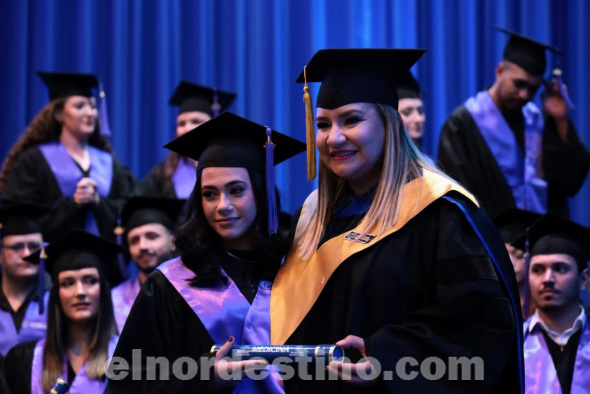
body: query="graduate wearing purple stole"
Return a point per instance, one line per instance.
(63, 162)
(508, 152)
(32, 328)
(540, 374)
(219, 287)
(81, 384)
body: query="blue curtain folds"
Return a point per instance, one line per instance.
(256, 48)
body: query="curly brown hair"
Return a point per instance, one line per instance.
(43, 128)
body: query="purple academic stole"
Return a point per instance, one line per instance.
(184, 178)
(224, 311)
(528, 189)
(540, 373)
(123, 297)
(68, 174)
(82, 384)
(33, 327)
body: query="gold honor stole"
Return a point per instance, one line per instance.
(299, 282)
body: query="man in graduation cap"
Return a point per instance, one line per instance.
(411, 107)
(23, 304)
(175, 177)
(149, 224)
(557, 335)
(512, 224)
(508, 152)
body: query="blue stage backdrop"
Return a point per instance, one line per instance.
(256, 48)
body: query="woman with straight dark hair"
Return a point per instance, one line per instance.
(81, 329)
(392, 259)
(217, 291)
(63, 162)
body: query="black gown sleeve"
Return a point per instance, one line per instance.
(464, 155)
(565, 164)
(31, 180)
(122, 187)
(18, 367)
(161, 324)
(470, 314)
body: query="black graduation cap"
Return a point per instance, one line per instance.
(77, 250)
(553, 234)
(229, 140)
(526, 52)
(408, 87)
(68, 84)
(513, 222)
(139, 211)
(190, 97)
(363, 75)
(20, 219)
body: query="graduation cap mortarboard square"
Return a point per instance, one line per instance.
(79, 249)
(190, 97)
(358, 75)
(68, 84)
(512, 223)
(229, 140)
(553, 234)
(526, 52)
(139, 211)
(408, 87)
(21, 219)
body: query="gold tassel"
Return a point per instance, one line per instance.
(309, 130)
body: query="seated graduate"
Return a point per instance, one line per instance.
(81, 330)
(218, 290)
(512, 224)
(149, 225)
(63, 161)
(557, 335)
(391, 258)
(175, 176)
(23, 298)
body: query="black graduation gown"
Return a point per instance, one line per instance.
(18, 367)
(154, 184)
(31, 180)
(162, 324)
(465, 156)
(427, 290)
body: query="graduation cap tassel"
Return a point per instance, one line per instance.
(105, 128)
(273, 222)
(309, 130)
(41, 279)
(120, 257)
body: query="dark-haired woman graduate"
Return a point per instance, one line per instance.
(81, 329)
(219, 287)
(62, 161)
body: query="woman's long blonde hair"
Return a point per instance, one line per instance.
(402, 161)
